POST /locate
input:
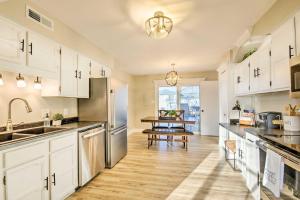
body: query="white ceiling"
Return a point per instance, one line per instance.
(203, 29)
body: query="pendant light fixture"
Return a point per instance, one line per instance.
(20, 81)
(1, 80)
(172, 77)
(159, 26)
(37, 84)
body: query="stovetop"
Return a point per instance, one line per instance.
(287, 140)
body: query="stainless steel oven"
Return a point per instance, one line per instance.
(295, 77)
(291, 188)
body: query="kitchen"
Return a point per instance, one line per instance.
(76, 100)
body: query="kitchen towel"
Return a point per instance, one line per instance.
(273, 173)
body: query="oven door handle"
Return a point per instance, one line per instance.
(93, 134)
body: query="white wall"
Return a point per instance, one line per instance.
(38, 104)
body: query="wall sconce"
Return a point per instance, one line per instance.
(1, 80)
(20, 81)
(37, 84)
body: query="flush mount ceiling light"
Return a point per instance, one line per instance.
(20, 81)
(159, 26)
(37, 84)
(1, 80)
(172, 77)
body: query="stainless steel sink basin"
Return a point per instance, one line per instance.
(39, 130)
(12, 136)
(19, 134)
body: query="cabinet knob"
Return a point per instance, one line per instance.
(47, 183)
(54, 179)
(23, 45)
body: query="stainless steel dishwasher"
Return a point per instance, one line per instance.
(91, 153)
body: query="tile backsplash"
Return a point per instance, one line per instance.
(276, 101)
(39, 104)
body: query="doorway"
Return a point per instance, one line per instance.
(181, 97)
(198, 98)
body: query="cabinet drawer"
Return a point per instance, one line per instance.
(63, 141)
(24, 154)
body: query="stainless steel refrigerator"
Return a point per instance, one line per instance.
(108, 103)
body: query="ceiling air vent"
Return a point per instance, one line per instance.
(39, 18)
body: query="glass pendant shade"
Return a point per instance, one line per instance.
(172, 77)
(159, 26)
(20, 81)
(37, 84)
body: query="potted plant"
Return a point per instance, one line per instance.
(57, 119)
(172, 114)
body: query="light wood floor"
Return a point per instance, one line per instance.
(168, 172)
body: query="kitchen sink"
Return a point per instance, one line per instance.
(12, 136)
(39, 130)
(19, 134)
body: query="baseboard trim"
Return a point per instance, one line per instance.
(134, 130)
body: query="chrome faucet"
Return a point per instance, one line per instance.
(9, 125)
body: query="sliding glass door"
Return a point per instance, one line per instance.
(185, 98)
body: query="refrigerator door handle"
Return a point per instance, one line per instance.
(118, 132)
(113, 117)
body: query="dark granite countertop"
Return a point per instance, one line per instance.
(237, 129)
(285, 139)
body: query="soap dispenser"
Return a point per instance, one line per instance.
(47, 120)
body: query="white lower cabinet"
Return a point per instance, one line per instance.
(222, 136)
(63, 166)
(28, 181)
(27, 173)
(252, 165)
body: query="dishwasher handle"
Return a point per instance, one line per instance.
(92, 134)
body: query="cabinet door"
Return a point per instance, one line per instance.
(263, 70)
(282, 49)
(106, 71)
(69, 73)
(244, 77)
(28, 181)
(43, 54)
(63, 171)
(297, 26)
(252, 167)
(12, 45)
(96, 70)
(222, 136)
(223, 96)
(254, 79)
(83, 77)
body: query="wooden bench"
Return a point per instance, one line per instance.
(170, 133)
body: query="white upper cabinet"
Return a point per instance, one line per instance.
(43, 54)
(260, 69)
(297, 26)
(95, 70)
(282, 49)
(69, 72)
(106, 71)
(99, 71)
(83, 76)
(241, 78)
(12, 42)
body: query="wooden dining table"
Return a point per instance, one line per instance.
(155, 132)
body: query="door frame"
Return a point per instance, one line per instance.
(181, 82)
